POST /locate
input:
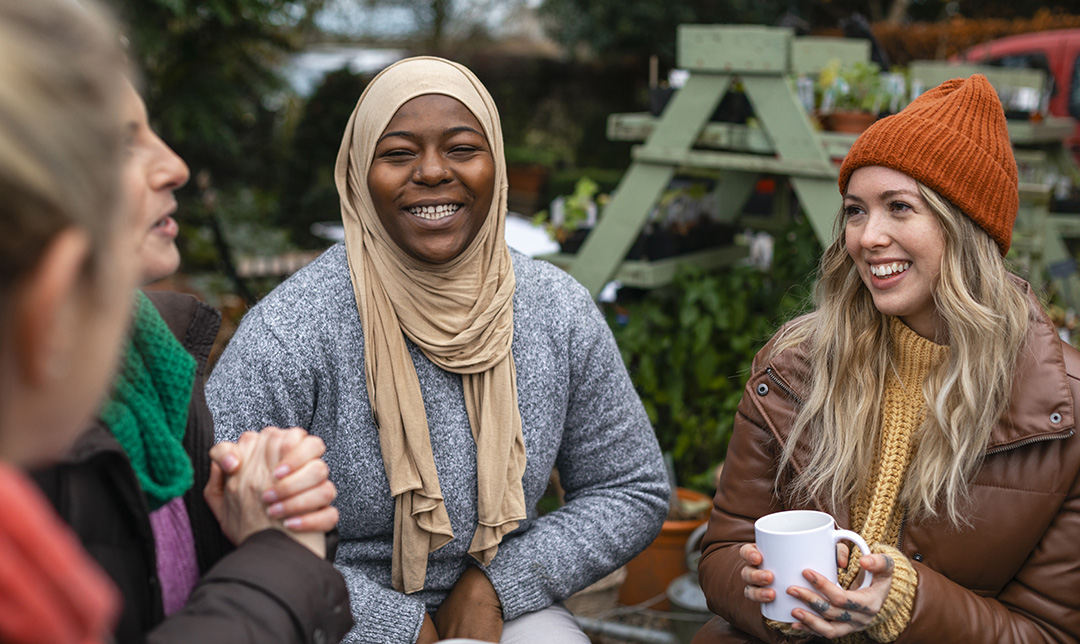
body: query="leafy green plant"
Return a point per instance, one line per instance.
(689, 347)
(575, 212)
(852, 87)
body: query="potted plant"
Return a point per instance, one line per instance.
(851, 96)
(570, 218)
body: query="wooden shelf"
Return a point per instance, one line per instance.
(784, 142)
(736, 137)
(1052, 129)
(654, 273)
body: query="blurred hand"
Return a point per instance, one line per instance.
(472, 609)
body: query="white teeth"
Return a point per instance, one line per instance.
(886, 270)
(435, 212)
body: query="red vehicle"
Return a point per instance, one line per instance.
(1056, 52)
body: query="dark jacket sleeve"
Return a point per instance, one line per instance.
(300, 598)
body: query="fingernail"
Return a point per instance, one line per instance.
(282, 471)
(292, 524)
(270, 496)
(229, 463)
(276, 509)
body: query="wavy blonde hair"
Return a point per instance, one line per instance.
(985, 315)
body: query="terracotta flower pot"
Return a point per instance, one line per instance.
(851, 121)
(649, 573)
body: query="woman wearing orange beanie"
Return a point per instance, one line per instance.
(927, 403)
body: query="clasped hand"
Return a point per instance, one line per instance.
(832, 611)
(274, 478)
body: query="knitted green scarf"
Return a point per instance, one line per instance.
(148, 410)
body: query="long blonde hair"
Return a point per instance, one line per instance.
(986, 316)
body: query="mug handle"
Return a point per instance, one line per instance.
(848, 535)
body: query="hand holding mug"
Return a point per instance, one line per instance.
(759, 582)
(801, 546)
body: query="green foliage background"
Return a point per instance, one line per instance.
(689, 347)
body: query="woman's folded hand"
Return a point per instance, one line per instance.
(272, 479)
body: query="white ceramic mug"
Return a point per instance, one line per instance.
(793, 541)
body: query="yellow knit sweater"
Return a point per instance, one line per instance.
(876, 515)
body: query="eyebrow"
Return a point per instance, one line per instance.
(887, 194)
(448, 132)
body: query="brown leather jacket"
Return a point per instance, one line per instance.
(1012, 575)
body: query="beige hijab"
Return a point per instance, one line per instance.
(460, 314)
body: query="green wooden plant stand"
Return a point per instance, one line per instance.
(766, 60)
(785, 143)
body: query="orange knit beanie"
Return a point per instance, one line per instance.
(954, 140)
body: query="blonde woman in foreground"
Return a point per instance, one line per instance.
(66, 273)
(927, 403)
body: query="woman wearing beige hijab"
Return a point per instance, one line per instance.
(448, 375)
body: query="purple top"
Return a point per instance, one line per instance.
(178, 570)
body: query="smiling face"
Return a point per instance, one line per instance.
(897, 243)
(432, 179)
(152, 171)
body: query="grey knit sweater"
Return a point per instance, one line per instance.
(297, 360)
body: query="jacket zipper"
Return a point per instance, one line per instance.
(1029, 441)
(780, 383)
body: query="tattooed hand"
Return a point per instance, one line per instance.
(835, 612)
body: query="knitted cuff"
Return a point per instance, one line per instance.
(786, 629)
(895, 613)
